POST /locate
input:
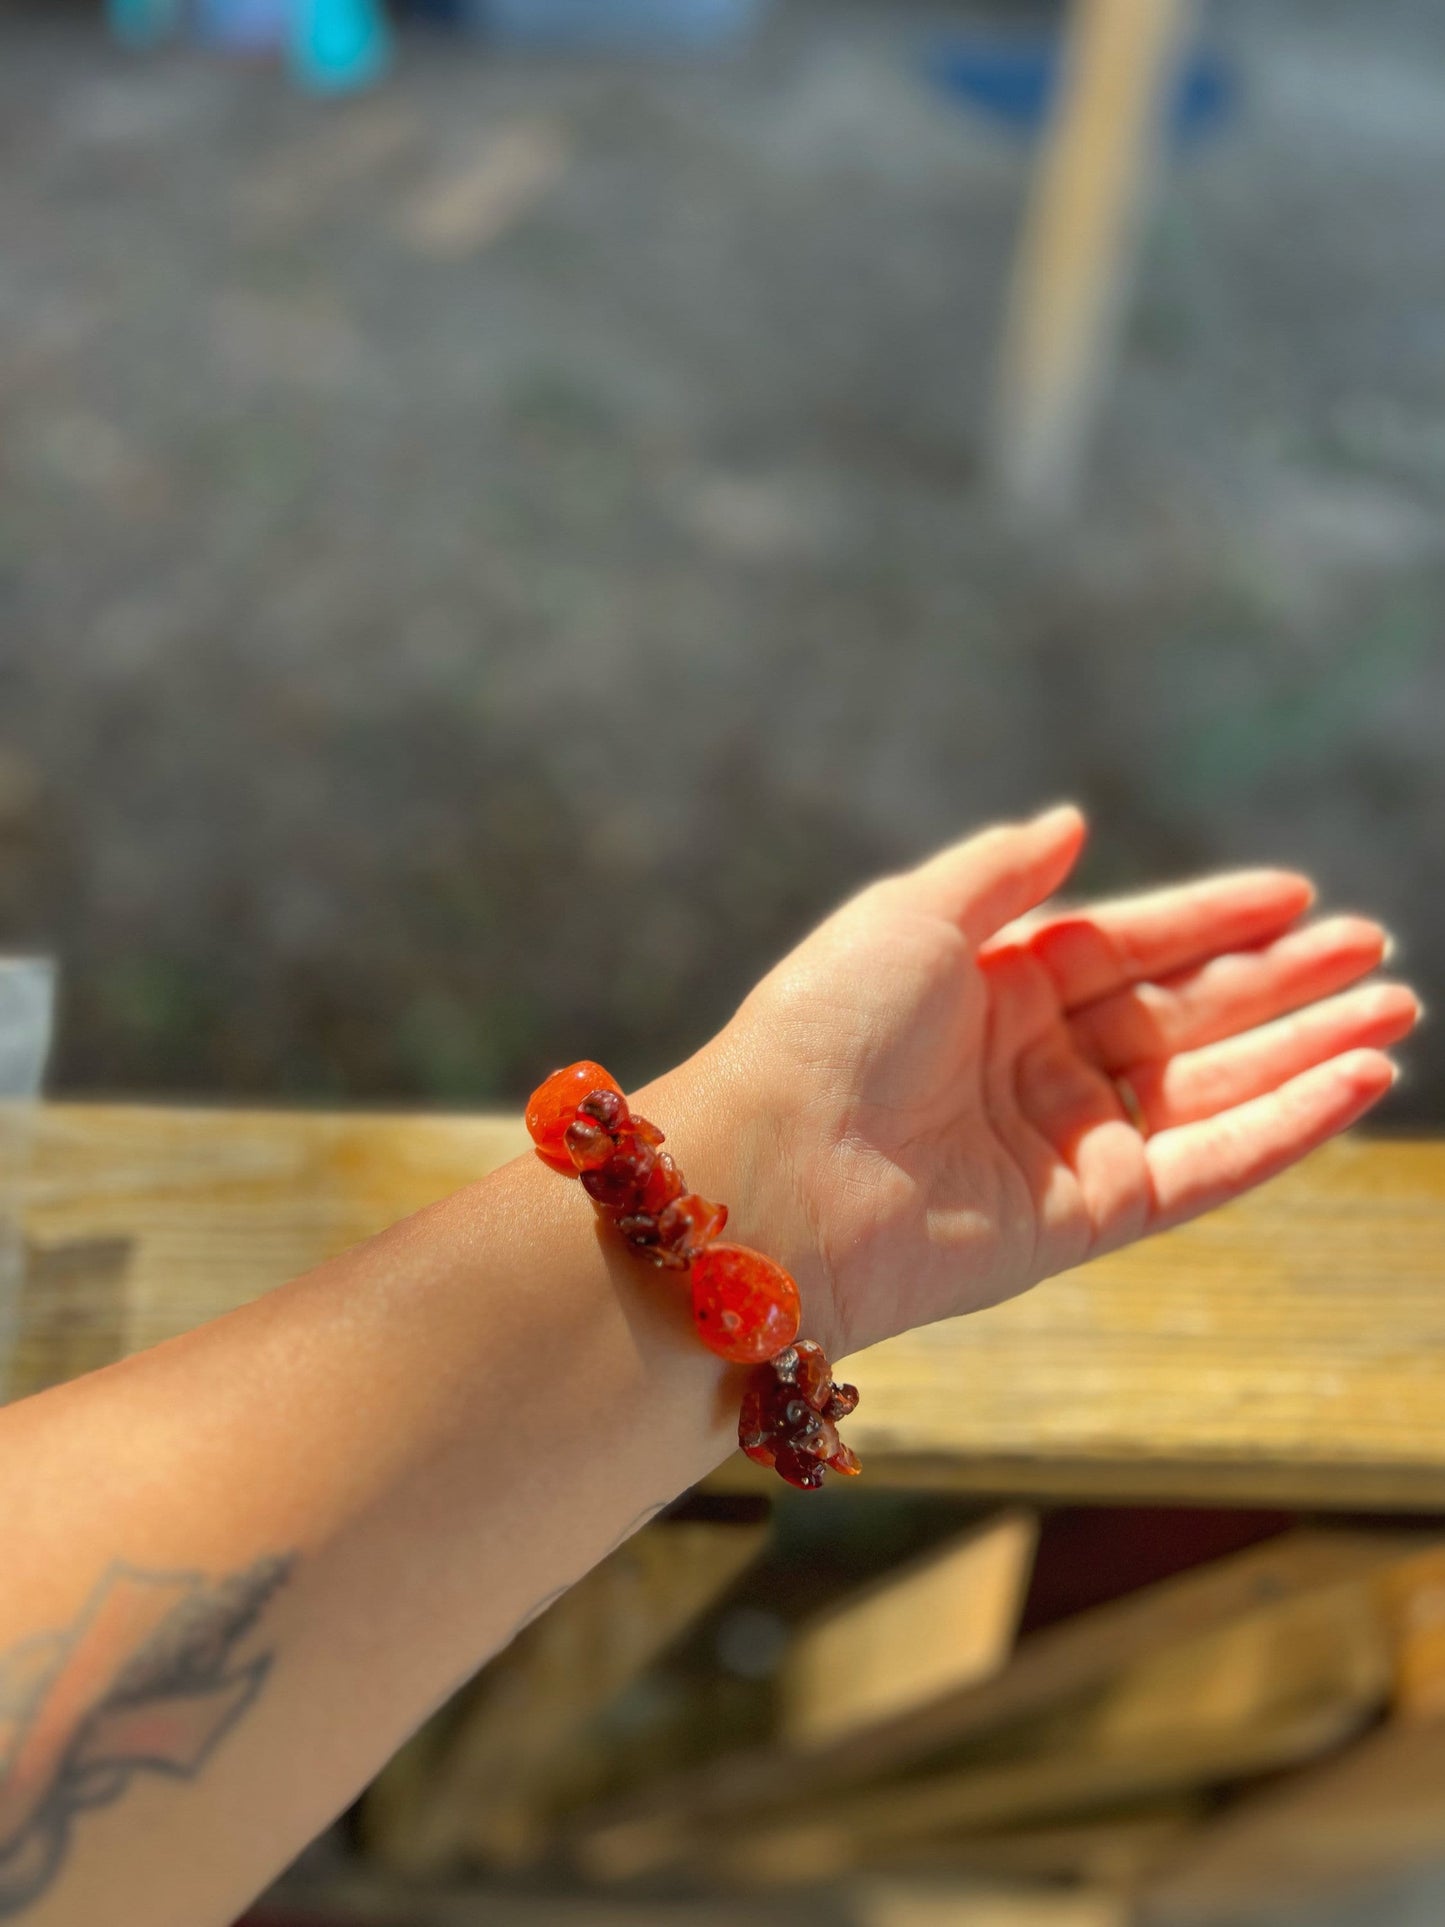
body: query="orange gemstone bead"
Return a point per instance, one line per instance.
(744, 1306)
(553, 1106)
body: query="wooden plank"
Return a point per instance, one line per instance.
(1051, 1669)
(1375, 1811)
(1289, 1350)
(480, 1789)
(1349, 1821)
(1114, 1852)
(1275, 1690)
(1414, 1598)
(1080, 234)
(958, 1904)
(936, 1626)
(146, 1220)
(370, 1898)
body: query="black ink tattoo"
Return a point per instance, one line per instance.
(144, 1680)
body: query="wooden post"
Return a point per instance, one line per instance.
(1072, 269)
(1373, 1811)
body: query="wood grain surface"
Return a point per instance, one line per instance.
(1288, 1350)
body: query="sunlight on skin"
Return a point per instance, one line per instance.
(949, 1102)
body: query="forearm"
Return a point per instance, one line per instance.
(361, 1485)
(407, 1452)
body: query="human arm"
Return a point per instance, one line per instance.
(437, 1431)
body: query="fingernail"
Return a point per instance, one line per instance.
(1391, 946)
(1056, 810)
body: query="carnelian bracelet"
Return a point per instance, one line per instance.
(745, 1307)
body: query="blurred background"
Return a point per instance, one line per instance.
(486, 560)
(509, 510)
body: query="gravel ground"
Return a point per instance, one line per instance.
(435, 640)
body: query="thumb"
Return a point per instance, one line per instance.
(989, 879)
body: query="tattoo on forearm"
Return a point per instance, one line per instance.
(146, 1679)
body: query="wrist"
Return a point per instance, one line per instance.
(626, 1360)
(728, 1129)
(746, 1305)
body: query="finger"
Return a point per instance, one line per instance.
(1091, 953)
(1199, 1166)
(1200, 1083)
(1077, 1112)
(1001, 873)
(1228, 994)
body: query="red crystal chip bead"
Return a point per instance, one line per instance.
(789, 1417)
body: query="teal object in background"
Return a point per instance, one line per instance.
(337, 46)
(141, 23)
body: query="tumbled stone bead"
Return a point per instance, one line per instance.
(555, 1103)
(744, 1306)
(846, 1461)
(639, 1229)
(645, 1131)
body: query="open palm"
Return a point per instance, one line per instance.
(967, 1094)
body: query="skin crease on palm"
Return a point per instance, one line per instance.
(931, 1074)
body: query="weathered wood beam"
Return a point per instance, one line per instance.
(1055, 1669)
(936, 1626)
(1289, 1350)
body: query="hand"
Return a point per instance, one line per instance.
(931, 1117)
